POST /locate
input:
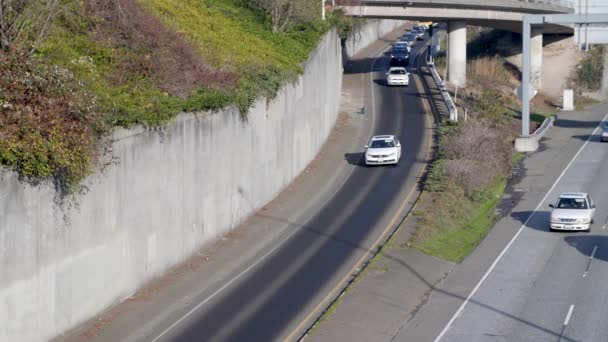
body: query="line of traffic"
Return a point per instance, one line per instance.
(357, 266)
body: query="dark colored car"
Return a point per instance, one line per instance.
(400, 57)
(419, 32)
(410, 39)
(604, 134)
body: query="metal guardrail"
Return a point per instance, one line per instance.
(442, 88)
(544, 127)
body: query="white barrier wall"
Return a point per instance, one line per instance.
(369, 33)
(170, 192)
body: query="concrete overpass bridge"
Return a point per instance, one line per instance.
(502, 14)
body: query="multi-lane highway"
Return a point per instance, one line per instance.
(276, 294)
(547, 286)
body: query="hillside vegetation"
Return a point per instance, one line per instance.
(86, 66)
(474, 159)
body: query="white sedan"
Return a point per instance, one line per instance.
(397, 76)
(382, 150)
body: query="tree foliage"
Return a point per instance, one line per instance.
(285, 13)
(24, 23)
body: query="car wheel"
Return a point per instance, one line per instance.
(591, 222)
(552, 230)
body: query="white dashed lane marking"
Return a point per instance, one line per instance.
(569, 315)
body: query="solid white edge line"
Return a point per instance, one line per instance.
(502, 253)
(569, 315)
(262, 258)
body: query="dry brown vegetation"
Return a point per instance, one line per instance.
(477, 153)
(490, 69)
(155, 51)
(49, 122)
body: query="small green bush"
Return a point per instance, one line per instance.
(590, 69)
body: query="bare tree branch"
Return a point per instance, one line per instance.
(24, 23)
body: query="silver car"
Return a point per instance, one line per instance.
(572, 211)
(604, 134)
(382, 150)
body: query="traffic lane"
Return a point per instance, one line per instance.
(588, 320)
(264, 304)
(576, 269)
(565, 281)
(538, 173)
(528, 290)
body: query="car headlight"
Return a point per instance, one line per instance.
(554, 219)
(583, 220)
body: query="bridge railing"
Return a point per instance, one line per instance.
(563, 3)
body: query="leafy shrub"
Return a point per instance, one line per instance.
(471, 156)
(49, 122)
(490, 105)
(590, 69)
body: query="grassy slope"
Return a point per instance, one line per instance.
(233, 37)
(225, 34)
(451, 224)
(230, 38)
(459, 230)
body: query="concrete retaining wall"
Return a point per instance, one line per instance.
(369, 33)
(170, 192)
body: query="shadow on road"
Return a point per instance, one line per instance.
(592, 138)
(381, 82)
(538, 220)
(363, 65)
(567, 123)
(585, 244)
(356, 159)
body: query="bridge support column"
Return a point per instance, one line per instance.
(457, 53)
(536, 57)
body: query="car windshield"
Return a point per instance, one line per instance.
(409, 37)
(605, 126)
(398, 72)
(382, 143)
(400, 51)
(572, 203)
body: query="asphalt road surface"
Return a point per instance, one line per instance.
(547, 286)
(277, 294)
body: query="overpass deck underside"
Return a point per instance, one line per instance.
(505, 14)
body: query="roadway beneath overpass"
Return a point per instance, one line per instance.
(506, 15)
